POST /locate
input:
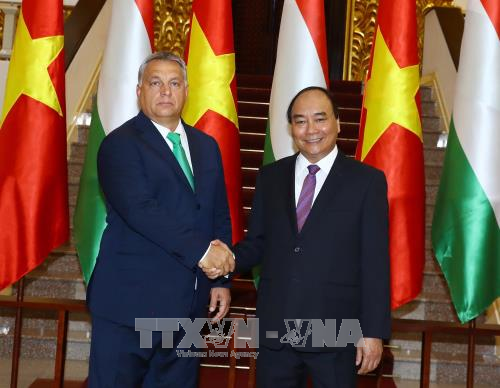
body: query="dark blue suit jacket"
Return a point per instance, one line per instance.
(337, 267)
(157, 227)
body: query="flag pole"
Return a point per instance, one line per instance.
(16, 344)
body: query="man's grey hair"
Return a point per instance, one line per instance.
(162, 56)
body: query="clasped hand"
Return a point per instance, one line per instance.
(218, 261)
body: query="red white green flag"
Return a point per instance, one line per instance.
(466, 224)
(130, 38)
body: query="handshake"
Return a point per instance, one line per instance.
(218, 261)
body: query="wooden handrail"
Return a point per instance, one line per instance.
(62, 306)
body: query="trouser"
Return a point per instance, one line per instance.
(117, 360)
(290, 368)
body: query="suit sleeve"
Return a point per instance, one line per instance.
(222, 218)
(124, 183)
(250, 250)
(375, 290)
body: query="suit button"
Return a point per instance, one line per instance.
(296, 249)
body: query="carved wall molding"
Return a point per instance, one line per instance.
(2, 18)
(361, 28)
(171, 24)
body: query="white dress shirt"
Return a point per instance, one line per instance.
(301, 172)
(184, 141)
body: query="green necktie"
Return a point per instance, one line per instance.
(180, 155)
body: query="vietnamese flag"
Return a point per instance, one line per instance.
(391, 140)
(211, 103)
(33, 168)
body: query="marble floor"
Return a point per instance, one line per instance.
(30, 370)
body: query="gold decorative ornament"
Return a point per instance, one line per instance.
(2, 15)
(67, 11)
(171, 24)
(360, 28)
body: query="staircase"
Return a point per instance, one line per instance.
(60, 275)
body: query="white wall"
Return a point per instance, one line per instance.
(84, 68)
(437, 61)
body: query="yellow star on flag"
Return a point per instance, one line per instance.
(28, 69)
(209, 77)
(389, 96)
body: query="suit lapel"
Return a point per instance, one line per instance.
(196, 154)
(330, 188)
(289, 186)
(159, 145)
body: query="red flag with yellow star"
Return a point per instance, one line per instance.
(211, 103)
(33, 168)
(391, 140)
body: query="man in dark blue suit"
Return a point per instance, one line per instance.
(319, 227)
(166, 201)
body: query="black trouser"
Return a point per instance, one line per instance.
(290, 368)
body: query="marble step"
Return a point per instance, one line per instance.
(426, 93)
(431, 264)
(435, 284)
(75, 169)
(431, 125)
(41, 344)
(433, 173)
(431, 191)
(428, 108)
(442, 342)
(66, 285)
(82, 133)
(427, 306)
(434, 155)
(447, 368)
(61, 260)
(39, 321)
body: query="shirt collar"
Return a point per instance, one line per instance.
(325, 164)
(164, 130)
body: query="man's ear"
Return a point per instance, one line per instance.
(138, 90)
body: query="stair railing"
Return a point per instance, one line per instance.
(62, 306)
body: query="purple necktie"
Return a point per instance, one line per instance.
(306, 196)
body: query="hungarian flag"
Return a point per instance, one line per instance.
(33, 168)
(466, 225)
(211, 103)
(129, 42)
(391, 140)
(301, 61)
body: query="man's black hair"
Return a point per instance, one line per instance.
(326, 92)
